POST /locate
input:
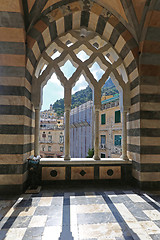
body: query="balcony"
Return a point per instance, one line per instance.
(102, 146)
(45, 141)
(117, 150)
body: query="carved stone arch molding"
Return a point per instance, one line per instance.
(75, 16)
(87, 17)
(96, 50)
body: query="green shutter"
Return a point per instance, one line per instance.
(117, 116)
(117, 140)
(103, 155)
(103, 118)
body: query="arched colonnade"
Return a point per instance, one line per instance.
(96, 49)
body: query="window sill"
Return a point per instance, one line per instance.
(79, 161)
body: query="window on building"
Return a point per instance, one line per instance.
(103, 139)
(50, 138)
(103, 118)
(43, 135)
(117, 140)
(117, 116)
(103, 155)
(61, 149)
(43, 148)
(61, 139)
(49, 148)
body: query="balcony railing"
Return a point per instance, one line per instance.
(117, 150)
(51, 141)
(102, 146)
(46, 141)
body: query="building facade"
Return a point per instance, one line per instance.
(48, 114)
(110, 128)
(55, 123)
(51, 143)
(51, 138)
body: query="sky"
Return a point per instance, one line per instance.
(54, 91)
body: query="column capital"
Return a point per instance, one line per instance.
(37, 108)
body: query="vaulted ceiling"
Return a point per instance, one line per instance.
(131, 13)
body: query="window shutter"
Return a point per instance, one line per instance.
(117, 116)
(117, 140)
(103, 118)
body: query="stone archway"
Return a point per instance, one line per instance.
(76, 15)
(19, 57)
(96, 50)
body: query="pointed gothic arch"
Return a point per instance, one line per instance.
(99, 51)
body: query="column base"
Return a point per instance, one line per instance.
(67, 157)
(96, 157)
(124, 157)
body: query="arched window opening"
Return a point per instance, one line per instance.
(52, 120)
(68, 69)
(97, 71)
(84, 53)
(81, 119)
(110, 127)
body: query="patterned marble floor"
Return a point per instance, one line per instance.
(87, 215)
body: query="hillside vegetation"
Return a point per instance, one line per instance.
(83, 96)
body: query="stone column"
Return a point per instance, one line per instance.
(124, 135)
(96, 133)
(36, 136)
(67, 133)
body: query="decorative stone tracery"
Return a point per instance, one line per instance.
(96, 50)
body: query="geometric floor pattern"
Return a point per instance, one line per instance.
(86, 215)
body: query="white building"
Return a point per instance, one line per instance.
(81, 130)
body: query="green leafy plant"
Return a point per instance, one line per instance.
(90, 153)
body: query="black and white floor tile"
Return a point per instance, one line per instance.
(114, 215)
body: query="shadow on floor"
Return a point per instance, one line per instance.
(66, 231)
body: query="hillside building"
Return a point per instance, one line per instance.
(48, 114)
(51, 143)
(54, 123)
(51, 138)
